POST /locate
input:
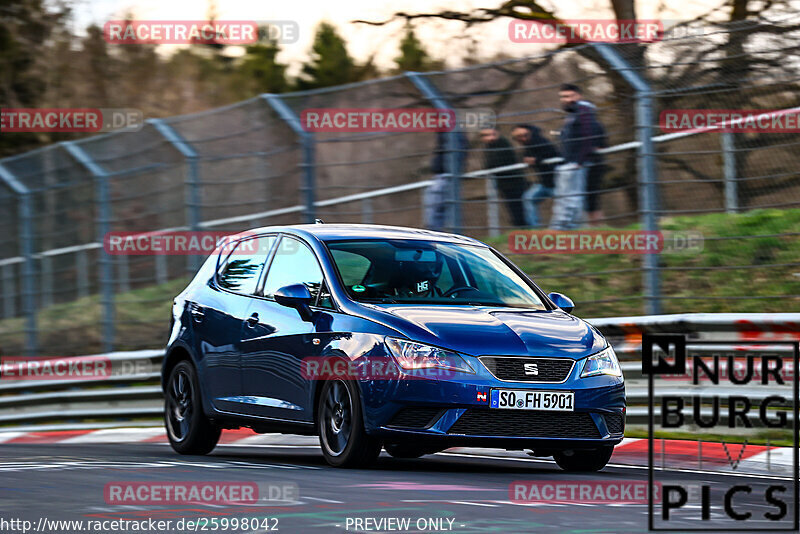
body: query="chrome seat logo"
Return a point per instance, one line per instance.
(531, 369)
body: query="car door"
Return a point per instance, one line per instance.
(221, 319)
(276, 339)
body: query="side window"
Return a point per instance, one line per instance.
(325, 300)
(242, 268)
(294, 263)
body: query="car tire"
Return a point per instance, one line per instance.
(586, 461)
(340, 427)
(404, 450)
(188, 429)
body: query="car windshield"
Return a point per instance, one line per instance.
(421, 272)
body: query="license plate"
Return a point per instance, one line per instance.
(526, 399)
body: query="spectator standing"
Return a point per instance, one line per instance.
(581, 136)
(511, 184)
(435, 199)
(536, 150)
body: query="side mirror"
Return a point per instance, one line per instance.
(562, 301)
(296, 296)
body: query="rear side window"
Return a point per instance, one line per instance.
(294, 263)
(206, 272)
(241, 270)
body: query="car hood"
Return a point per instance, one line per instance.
(502, 331)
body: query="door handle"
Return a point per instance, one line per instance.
(197, 312)
(252, 320)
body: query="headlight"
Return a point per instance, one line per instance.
(603, 363)
(410, 355)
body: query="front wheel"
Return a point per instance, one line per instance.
(586, 461)
(340, 425)
(188, 429)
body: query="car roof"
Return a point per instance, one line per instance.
(330, 232)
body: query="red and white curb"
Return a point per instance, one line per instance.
(704, 455)
(144, 435)
(632, 451)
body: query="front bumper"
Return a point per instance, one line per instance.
(456, 413)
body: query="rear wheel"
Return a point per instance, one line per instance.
(340, 425)
(584, 460)
(188, 429)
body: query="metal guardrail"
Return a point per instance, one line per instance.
(134, 398)
(106, 394)
(145, 364)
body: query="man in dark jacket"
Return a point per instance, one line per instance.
(537, 150)
(511, 184)
(581, 137)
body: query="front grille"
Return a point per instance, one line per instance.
(514, 369)
(415, 417)
(615, 422)
(526, 424)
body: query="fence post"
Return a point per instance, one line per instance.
(193, 194)
(492, 211)
(103, 199)
(307, 142)
(367, 211)
(46, 281)
(162, 269)
(28, 292)
(123, 275)
(646, 164)
(9, 293)
(729, 172)
(82, 265)
(451, 166)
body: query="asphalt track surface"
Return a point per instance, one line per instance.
(466, 493)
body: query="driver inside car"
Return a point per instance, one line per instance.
(417, 272)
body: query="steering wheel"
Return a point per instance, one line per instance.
(453, 290)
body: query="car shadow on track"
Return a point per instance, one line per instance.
(437, 463)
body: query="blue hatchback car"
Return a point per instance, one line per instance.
(378, 337)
